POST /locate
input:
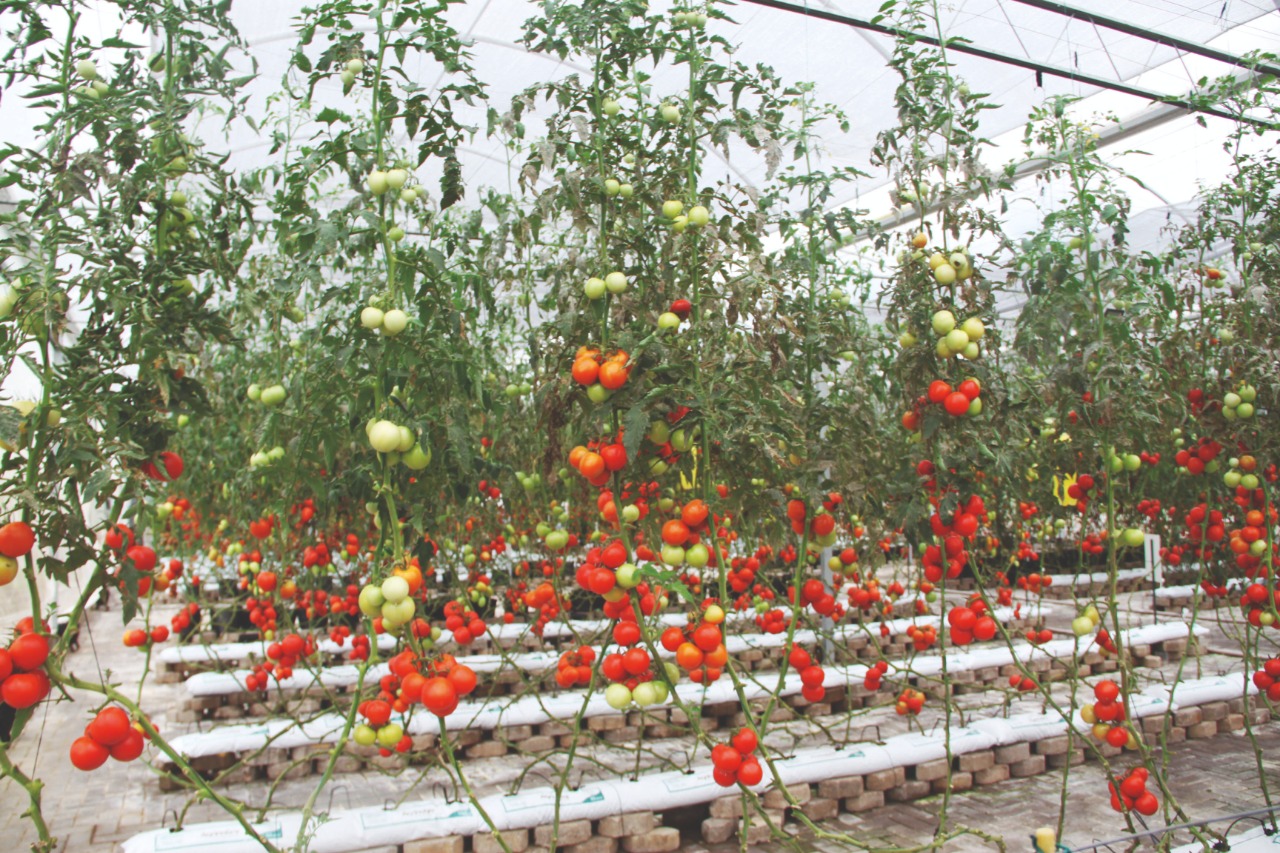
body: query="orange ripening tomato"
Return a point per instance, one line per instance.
(613, 375)
(585, 371)
(591, 465)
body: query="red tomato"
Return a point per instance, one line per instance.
(129, 748)
(16, 539)
(88, 754)
(24, 689)
(29, 652)
(110, 727)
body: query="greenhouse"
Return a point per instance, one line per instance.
(636, 426)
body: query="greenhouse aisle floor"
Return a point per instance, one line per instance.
(99, 810)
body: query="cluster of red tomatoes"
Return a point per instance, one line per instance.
(951, 557)
(1150, 507)
(136, 638)
(261, 528)
(170, 462)
(465, 623)
(1130, 793)
(288, 650)
(1022, 683)
(23, 681)
(923, 637)
(959, 401)
(1080, 489)
(1092, 544)
(377, 728)
(971, 622)
(814, 593)
(544, 599)
(574, 668)
(1107, 715)
(318, 555)
(598, 572)
(1267, 679)
(1198, 457)
(735, 761)
(910, 701)
(875, 673)
(1254, 601)
(811, 674)
(438, 687)
(1043, 635)
(305, 511)
(700, 649)
(489, 490)
(314, 603)
(262, 613)
(630, 668)
(111, 734)
(865, 596)
(773, 621)
(1025, 552)
(742, 570)
(1027, 510)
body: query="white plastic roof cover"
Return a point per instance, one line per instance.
(847, 66)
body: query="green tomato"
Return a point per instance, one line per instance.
(943, 322)
(397, 178)
(971, 351)
(645, 694)
(668, 320)
(699, 216)
(1081, 626)
(255, 392)
(673, 555)
(631, 513)
(365, 735)
(618, 696)
(659, 432)
(945, 274)
(1249, 481)
(273, 395)
(612, 187)
(672, 208)
(1133, 537)
(371, 601)
(384, 436)
(1245, 411)
(697, 555)
(626, 191)
(670, 113)
(628, 576)
(395, 589)
(1231, 479)
(557, 540)
(615, 283)
(1248, 393)
(390, 735)
(973, 329)
(396, 615)
(598, 393)
(394, 322)
(906, 340)
(417, 458)
(595, 288)
(377, 182)
(610, 107)
(1132, 462)
(956, 340)
(371, 317)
